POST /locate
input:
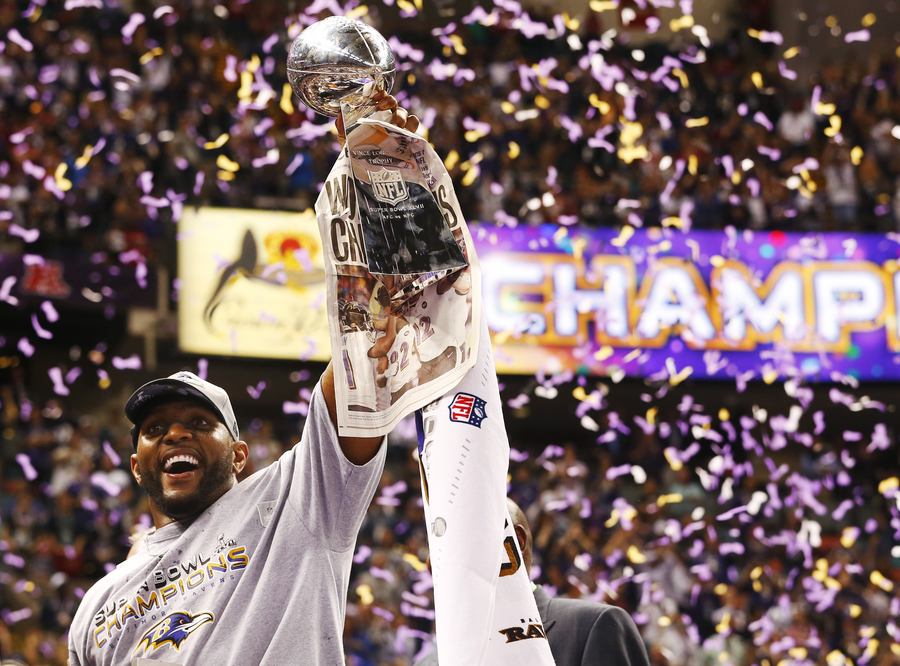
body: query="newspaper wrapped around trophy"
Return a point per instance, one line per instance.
(401, 275)
(407, 333)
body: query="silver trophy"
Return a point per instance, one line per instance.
(339, 60)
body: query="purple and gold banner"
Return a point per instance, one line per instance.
(707, 304)
(654, 302)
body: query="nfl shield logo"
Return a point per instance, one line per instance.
(388, 186)
(467, 408)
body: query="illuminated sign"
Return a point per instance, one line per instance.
(658, 303)
(724, 304)
(251, 283)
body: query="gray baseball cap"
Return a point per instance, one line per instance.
(175, 387)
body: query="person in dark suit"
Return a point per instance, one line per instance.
(581, 632)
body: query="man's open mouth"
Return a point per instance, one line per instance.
(181, 466)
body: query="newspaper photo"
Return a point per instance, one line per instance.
(401, 273)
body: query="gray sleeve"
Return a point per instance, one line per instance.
(615, 640)
(329, 493)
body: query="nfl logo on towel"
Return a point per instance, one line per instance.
(467, 408)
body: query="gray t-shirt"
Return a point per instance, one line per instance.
(259, 578)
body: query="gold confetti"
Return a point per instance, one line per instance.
(603, 353)
(82, 161)
(824, 109)
(736, 178)
(831, 21)
(664, 621)
(358, 12)
(672, 221)
(603, 5)
(696, 122)
(855, 610)
(254, 64)
(508, 107)
(720, 589)
(878, 579)
(681, 77)
(602, 106)
(458, 45)
(151, 54)
(757, 79)
(285, 103)
(791, 53)
(835, 126)
(675, 378)
(692, 165)
(684, 22)
(626, 233)
(471, 175)
(856, 155)
(365, 593)
(835, 657)
(571, 23)
(651, 415)
(224, 175)
(798, 652)
(226, 164)
(62, 183)
(414, 562)
(246, 85)
(717, 260)
(542, 102)
(868, 19)
(635, 555)
(473, 135)
(674, 462)
(671, 498)
(848, 537)
(514, 150)
(888, 484)
(725, 622)
(633, 354)
(218, 143)
(756, 573)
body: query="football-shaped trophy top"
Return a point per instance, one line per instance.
(339, 59)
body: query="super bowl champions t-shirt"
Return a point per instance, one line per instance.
(259, 578)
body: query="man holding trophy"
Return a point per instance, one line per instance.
(257, 572)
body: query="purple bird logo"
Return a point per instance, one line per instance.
(173, 629)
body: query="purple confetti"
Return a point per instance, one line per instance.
(16, 37)
(133, 362)
(59, 386)
(129, 28)
(50, 311)
(28, 235)
(27, 468)
(46, 335)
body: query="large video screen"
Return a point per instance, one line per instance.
(657, 302)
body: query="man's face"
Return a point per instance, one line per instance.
(186, 459)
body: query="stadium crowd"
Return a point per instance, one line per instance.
(726, 546)
(731, 538)
(164, 106)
